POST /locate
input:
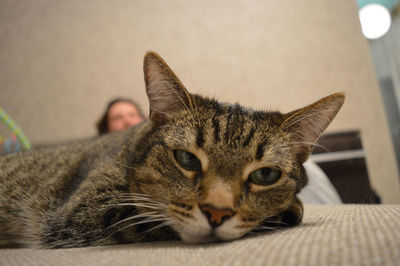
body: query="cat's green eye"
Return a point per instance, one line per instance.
(187, 160)
(265, 176)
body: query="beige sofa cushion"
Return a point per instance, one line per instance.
(330, 235)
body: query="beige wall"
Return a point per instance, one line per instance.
(61, 61)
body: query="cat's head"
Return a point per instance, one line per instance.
(224, 170)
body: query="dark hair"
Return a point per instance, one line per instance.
(102, 125)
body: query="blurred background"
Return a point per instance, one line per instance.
(61, 62)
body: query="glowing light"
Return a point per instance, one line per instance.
(375, 20)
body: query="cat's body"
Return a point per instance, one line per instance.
(69, 195)
(198, 170)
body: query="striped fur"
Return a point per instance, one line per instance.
(130, 187)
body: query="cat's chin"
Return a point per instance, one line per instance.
(223, 233)
(212, 237)
(197, 239)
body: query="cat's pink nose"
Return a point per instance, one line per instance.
(216, 216)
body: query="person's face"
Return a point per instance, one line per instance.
(123, 115)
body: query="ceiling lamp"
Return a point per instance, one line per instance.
(375, 20)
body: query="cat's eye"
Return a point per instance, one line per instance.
(265, 176)
(187, 160)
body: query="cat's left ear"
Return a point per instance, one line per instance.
(306, 125)
(165, 91)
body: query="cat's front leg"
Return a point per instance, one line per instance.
(289, 217)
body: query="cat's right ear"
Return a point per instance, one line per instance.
(305, 125)
(165, 91)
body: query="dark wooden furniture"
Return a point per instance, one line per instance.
(342, 158)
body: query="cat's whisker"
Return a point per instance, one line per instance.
(303, 143)
(166, 223)
(262, 229)
(148, 206)
(134, 194)
(134, 200)
(152, 220)
(129, 200)
(142, 215)
(141, 204)
(265, 228)
(144, 200)
(277, 222)
(136, 203)
(139, 197)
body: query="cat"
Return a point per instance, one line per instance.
(197, 170)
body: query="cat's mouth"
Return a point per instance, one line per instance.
(199, 229)
(222, 234)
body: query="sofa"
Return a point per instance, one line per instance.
(329, 235)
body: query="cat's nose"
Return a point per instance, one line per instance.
(216, 216)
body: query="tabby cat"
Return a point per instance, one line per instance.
(198, 170)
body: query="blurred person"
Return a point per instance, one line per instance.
(120, 114)
(319, 189)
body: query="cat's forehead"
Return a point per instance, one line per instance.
(248, 114)
(230, 137)
(225, 128)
